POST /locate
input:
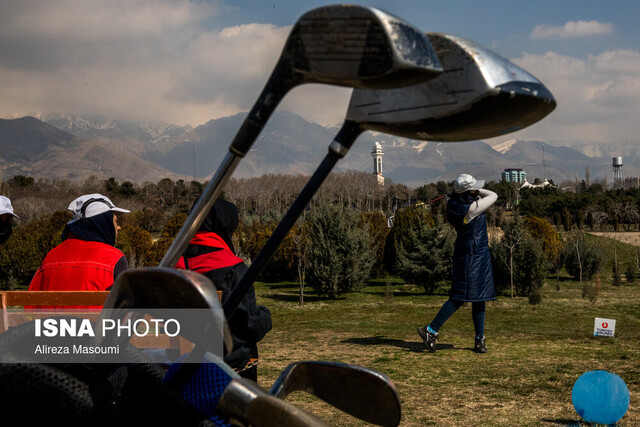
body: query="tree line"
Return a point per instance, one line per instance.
(343, 238)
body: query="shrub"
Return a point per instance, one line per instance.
(137, 246)
(425, 254)
(254, 232)
(340, 257)
(169, 232)
(149, 219)
(21, 255)
(398, 236)
(518, 257)
(542, 230)
(591, 290)
(630, 274)
(376, 224)
(583, 255)
(617, 276)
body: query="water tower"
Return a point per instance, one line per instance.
(617, 181)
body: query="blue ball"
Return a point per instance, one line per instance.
(600, 397)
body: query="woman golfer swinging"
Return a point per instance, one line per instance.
(472, 279)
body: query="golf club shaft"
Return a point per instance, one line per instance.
(276, 88)
(247, 402)
(339, 147)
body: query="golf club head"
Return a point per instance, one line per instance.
(361, 392)
(479, 95)
(342, 45)
(357, 46)
(152, 289)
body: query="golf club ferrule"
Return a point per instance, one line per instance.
(237, 396)
(338, 148)
(345, 138)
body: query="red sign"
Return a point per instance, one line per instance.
(605, 325)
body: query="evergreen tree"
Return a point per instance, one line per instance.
(583, 258)
(518, 261)
(425, 254)
(630, 273)
(341, 256)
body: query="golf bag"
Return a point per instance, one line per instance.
(100, 394)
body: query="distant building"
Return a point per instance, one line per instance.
(631, 182)
(514, 175)
(546, 183)
(377, 154)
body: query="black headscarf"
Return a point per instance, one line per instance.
(98, 228)
(466, 198)
(6, 228)
(222, 220)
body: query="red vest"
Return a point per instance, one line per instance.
(220, 256)
(77, 265)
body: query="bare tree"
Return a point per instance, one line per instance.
(598, 217)
(629, 215)
(302, 245)
(511, 247)
(575, 239)
(514, 234)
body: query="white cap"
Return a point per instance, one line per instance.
(5, 207)
(466, 182)
(91, 205)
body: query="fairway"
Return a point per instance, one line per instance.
(536, 353)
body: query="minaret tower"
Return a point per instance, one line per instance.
(377, 154)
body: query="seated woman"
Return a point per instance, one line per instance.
(86, 260)
(212, 254)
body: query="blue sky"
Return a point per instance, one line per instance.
(186, 62)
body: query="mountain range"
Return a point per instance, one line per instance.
(74, 148)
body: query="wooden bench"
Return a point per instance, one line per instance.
(50, 298)
(74, 298)
(10, 299)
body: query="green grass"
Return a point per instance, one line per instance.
(536, 353)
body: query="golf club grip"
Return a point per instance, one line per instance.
(345, 138)
(269, 411)
(281, 81)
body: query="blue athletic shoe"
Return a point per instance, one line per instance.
(429, 338)
(480, 346)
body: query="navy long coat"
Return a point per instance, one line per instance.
(472, 273)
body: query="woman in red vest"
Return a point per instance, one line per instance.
(86, 260)
(212, 254)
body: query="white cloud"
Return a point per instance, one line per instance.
(598, 97)
(150, 60)
(157, 60)
(572, 29)
(142, 60)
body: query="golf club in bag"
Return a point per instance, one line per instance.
(343, 45)
(478, 95)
